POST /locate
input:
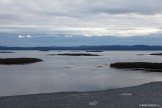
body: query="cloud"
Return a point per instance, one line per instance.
(89, 32)
(20, 36)
(126, 6)
(81, 17)
(68, 35)
(28, 36)
(25, 36)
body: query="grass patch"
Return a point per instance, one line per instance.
(10, 61)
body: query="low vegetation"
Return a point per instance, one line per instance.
(9, 61)
(147, 66)
(76, 54)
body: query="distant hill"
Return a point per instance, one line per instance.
(103, 47)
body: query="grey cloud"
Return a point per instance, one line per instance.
(127, 6)
(95, 16)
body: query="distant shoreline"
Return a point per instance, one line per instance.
(90, 48)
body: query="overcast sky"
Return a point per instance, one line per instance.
(82, 17)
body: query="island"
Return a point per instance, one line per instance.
(10, 61)
(6, 52)
(75, 54)
(146, 66)
(95, 51)
(160, 54)
(44, 50)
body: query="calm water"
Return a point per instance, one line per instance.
(67, 73)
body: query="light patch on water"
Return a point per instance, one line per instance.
(93, 103)
(125, 94)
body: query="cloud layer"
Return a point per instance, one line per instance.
(82, 17)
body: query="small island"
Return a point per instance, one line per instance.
(6, 52)
(12, 61)
(146, 66)
(159, 54)
(94, 51)
(75, 54)
(44, 50)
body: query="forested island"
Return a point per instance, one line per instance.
(146, 66)
(75, 54)
(11, 61)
